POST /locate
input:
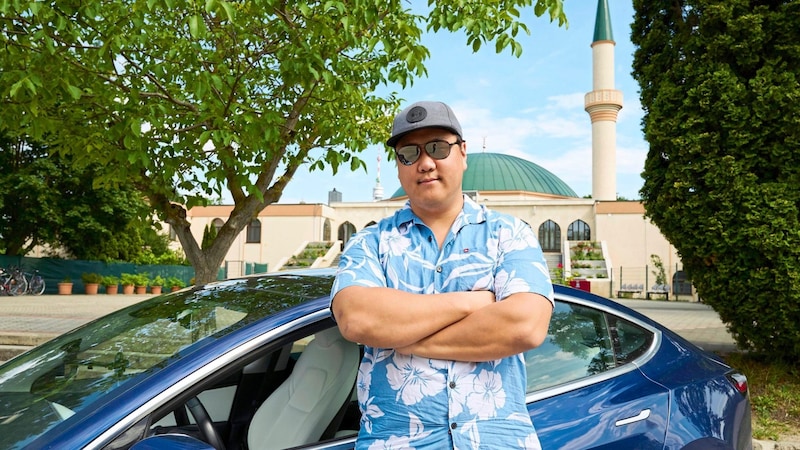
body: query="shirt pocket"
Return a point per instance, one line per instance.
(469, 269)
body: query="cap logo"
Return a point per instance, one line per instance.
(416, 114)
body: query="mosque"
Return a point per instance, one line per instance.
(617, 232)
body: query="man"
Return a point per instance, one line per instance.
(445, 295)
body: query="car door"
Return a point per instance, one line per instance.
(584, 387)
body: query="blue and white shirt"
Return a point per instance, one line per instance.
(412, 402)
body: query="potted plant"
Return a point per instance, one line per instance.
(175, 284)
(142, 281)
(65, 286)
(91, 282)
(156, 284)
(128, 281)
(111, 283)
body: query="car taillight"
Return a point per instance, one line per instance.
(739, 381)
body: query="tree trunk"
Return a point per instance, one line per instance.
(206, 263)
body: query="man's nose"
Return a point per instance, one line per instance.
(425, 163)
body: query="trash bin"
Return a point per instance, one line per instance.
(681, 284)
(581, 284)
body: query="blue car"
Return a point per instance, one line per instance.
(257, 363)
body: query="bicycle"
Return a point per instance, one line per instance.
(12, 282)
(35, 283)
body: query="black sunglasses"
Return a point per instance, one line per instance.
(438, 149)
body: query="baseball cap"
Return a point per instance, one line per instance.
(423, 114)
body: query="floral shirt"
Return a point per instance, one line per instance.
(412, 402)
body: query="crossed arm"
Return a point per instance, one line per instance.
(461, 326)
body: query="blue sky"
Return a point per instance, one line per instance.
(530, 107)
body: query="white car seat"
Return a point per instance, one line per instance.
(300, 409)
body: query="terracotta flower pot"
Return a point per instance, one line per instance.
(112, 289)
(91, 288)
(127, 289)
(65, 288)
(140, 289)
(155, 290)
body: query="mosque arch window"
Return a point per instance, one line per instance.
(550, 236)
(371, 222)
(579, 231)
(346, 230)
(326, 230)
(254, 232)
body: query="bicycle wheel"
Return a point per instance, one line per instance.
(17, 285)
(36, 285)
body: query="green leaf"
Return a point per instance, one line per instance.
(229, 11)
(74, 92)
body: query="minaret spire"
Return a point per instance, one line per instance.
(603, 104)
(377, 191)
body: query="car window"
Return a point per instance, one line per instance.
(578, 345)
(290, 382)
(251, 383)
(630, 341)
(582, 342)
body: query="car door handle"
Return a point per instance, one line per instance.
(641, 416)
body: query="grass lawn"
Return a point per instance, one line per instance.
(774, 394)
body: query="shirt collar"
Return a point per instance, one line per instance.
(471, 213)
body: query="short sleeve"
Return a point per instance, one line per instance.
(359, 264)
(521, 265)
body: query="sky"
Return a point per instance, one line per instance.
(530, 107)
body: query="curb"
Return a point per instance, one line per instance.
(773, 445)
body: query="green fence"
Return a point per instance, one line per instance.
(56, 270)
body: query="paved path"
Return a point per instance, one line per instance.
(31, 320)
(697, 322)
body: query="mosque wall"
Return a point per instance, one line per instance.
(630, 237)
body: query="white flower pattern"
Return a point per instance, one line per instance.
(413, 402)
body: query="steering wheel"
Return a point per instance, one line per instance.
(204, 423)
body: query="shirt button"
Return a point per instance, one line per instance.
(439, 269)
(453, 426)
(452, 385)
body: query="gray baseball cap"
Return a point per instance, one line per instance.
(423, 115)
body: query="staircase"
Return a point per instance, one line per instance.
(553, 260)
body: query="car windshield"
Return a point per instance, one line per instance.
(52, 382)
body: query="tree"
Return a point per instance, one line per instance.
(719, 87)
(28, 204)
(44, 200)
(189, 99)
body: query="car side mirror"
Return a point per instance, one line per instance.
(171, 442)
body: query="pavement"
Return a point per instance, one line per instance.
(26, 321)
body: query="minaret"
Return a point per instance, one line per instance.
(603, 104)
(377, 191)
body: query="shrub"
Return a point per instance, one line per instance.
(175, 282)
(128, 279)
(91, 278)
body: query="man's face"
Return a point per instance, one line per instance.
(433, 184)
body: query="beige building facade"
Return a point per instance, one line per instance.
(628, 238)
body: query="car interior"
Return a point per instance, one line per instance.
(298, 393)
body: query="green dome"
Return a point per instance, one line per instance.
(495, 172)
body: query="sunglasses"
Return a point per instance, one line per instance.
(438, 149)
